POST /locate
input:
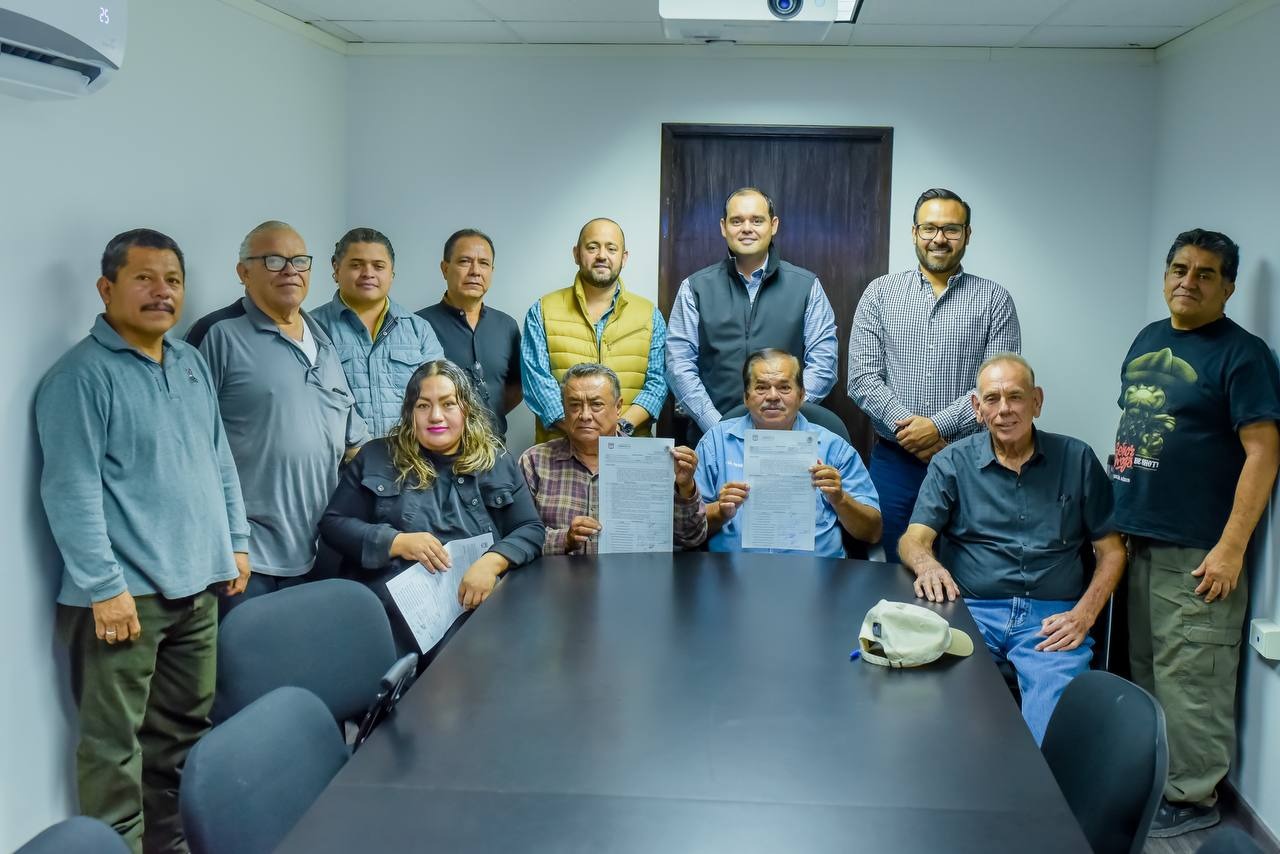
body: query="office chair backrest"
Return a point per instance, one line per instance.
(331, 637)
(250, 779)
(1229, 840)
(1106, 746)
(819, 415)
(77, 835)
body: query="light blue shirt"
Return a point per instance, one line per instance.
(720, 461)
(542, 392)
(820, 348)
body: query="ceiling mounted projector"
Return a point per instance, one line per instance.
(748, 21)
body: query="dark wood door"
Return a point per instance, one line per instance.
(830, 187)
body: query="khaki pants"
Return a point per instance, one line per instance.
(1187, 654)
(142, 704)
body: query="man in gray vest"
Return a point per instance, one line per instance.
(749, 301)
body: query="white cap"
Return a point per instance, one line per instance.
(897, 634)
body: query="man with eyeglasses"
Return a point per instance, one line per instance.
(480, 339)
(380, 342)
(751, 300)
(918, 340)
(289, 414)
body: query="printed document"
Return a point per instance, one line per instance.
(637, 490)
(779, 511)
(429, 600)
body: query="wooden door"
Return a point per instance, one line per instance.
(830, 187)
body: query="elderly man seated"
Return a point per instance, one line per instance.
(563, 473)
(844, 496)
(1009, 511)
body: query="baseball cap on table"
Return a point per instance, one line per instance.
(898, 634)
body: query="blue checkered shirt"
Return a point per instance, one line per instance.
(911, 354)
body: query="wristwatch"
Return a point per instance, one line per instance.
(625, 427)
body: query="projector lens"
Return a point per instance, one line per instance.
(785, 8)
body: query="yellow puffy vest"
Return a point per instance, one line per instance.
(624, 345)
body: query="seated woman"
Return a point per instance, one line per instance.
(440, 475)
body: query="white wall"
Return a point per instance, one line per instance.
(1052, 151)
(1215, 167)
(182, 141)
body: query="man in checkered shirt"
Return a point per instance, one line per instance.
(918, 339)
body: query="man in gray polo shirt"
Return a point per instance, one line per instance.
(1010, 510)
(288, 410)
(144, 504)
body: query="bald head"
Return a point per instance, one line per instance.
(600, 253)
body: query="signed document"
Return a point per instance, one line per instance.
(779, 512)
(429, 600)
(637, 492)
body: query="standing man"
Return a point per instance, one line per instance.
(563, 474)
(1195, 460)
(1009, 512)
(285, 402)
(595, 320)
(843, 495)
(142, 497)
(749, 301)
(379, 341)
(917, 342)
(481, 340)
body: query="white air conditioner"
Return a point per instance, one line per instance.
(60, 48)
(748, 21)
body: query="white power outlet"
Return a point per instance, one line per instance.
(1264, 636)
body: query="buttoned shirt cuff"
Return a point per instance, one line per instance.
(690, 520)
(109, 589)
(951, 423)
(896, 413)
(239, 542)
(554, 544)
(513, 556)
(708, 418)
(376, 549)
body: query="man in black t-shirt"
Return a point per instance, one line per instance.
(1195, 459)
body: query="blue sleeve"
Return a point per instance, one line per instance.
(820, 345)
(682, 361)
(237, 521)
(72, 414)
(707, 475)
(427, 340)
(854, 477)
(654, 393)
(937, 497)
(1099, 501)
(541, 391)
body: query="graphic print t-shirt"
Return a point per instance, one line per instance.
(1184, 395)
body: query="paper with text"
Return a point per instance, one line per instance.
(637, 490)
(779, 512)
(428, 601)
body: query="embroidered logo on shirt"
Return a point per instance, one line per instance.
(191, 377)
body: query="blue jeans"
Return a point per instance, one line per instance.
(1011, 630)
(897, 476)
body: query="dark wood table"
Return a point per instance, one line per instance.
(694, 703)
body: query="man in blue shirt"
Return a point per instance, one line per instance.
(144, 504)
(1010, 510)
(844, 497)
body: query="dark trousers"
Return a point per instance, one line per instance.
(143, 704)
(259, 585)
(897, 476)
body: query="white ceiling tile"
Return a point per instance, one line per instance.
(431, 32)
(546, 32)
(384, 10)
(960, 12)
(1105, 37)
(1141, 13)
(615, 11)
(935, 36)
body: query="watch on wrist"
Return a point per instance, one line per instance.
(625, 427)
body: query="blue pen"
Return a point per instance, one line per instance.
(855, 655)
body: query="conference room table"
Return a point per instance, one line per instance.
(694, 702)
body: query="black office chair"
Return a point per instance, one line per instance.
(77, 835)
(331, 637)
(1229, 840)
(1106, 746)
(823, 417)
(249, 780)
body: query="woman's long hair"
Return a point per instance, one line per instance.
(480, 446)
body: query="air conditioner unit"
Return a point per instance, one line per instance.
(748, 21)
(60, 48)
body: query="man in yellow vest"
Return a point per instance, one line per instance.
(595, 320)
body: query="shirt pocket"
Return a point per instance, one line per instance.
(497, 496)
(387, 505)
(405, 358)
(1069, 519)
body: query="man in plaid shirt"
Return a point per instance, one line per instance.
(918, 339)
(563, 474)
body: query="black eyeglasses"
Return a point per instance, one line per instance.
(275, 263)
(951, 231)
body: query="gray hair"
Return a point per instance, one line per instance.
(1008, 357)
(262, 228)
(592, 369)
